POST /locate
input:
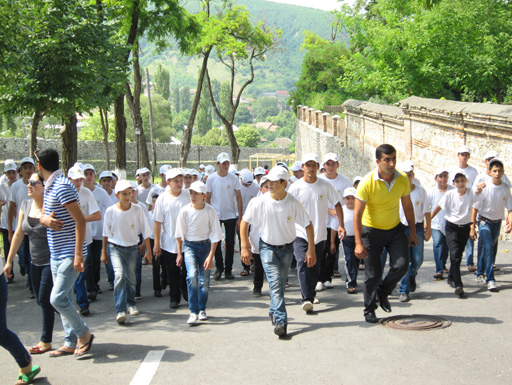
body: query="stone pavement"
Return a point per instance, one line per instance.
(332, 346)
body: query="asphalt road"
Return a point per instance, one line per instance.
(237, 345)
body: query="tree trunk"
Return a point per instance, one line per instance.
(38, 116)
(187, 132)
(151, 129)
(104, 126)
(235, 150)
(120, 127)
(69, 142)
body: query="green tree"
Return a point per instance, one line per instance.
(204, 115)
(94, 130)
(185, 102)
(247, 136)
(265, 107)
(214, 137)
(162, 82)
(243, 115)
(176, 98)
(180, 121)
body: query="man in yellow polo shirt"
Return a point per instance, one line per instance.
(377, 225)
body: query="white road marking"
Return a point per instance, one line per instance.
(148, 368)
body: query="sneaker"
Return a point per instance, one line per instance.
(320, 286)
(412, 284)
(459, 291)
(92, 294)
(174, 305)
(121, 318)
(192, 319)
(157, 293)
(280, 330)
(404, 297)
(132, 310)
(85, 311)
(217, 275)
(480, 279)
(138, 297)
(307, 306)
(256, 292)
(492, 286)
(229, 276)
(316, 301)
(202, 316)
(328, 285)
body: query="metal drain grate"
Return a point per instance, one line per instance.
(415, 322)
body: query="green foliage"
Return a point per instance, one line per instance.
(163, 121)
(180, 120)
(204, 115)
(94, 131)
(214, 137)
(162, 80)
(265, 107)
(243, 115)
(247, 136)
(185, 100)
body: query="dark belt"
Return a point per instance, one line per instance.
(481, 218)
(464, 225)
(278, 247)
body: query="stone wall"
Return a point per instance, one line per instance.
(426, 131)
(94, 152)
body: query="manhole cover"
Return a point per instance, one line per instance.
(415, 322)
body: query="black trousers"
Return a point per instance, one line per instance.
(230, 228)
(396, 242)
(94, 265)
(258, 272)
(327, 266)
(456, 238)
(176, 276)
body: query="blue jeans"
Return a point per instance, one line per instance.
(43, 283)
(470, 245)
(489, 233)
(351, 261)
(64, 277)
(415, 258)
(9, 340)
(276, 263)
(124, 260)
(198, 278)
(440, 250)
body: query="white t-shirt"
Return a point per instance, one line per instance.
(420, 203)
(340, 183)
(104, 202)
(223, 196)
(123, 227)
(315, 197)
(434, 196)
(166, 212)
(142, 195)
(470, 172)
(88, 206)
(497, 198)
(276, 219)
(198, 225)
(156, 189)
(113, 198)
(348, 219)
(19, 193)
(484, 177)
(248, 193)
(4, 195)
(458, 208)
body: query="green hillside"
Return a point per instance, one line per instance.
(281, 69)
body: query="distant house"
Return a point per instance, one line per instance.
(269, 94)
(268, 126)
(281, 142)
(282, 95)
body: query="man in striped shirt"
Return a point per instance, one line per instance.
(66, 233)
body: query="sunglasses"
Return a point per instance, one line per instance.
(33, 183)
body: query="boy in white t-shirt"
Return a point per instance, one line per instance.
(349, 242)
(276, 214)
(197, 234)
(490, 213)
(123, 223)
(458, 207)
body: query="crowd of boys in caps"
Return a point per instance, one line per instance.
(288, 217)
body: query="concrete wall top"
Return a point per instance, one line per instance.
(352, 104)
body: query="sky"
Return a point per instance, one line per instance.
(326, 5)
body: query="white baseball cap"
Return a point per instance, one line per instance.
(495, 160)
(89, 166)
(209, 170)
(9, 165)
(144, 170)
(76, 172)
(310, 156)
(247, 176)
(122, 185)
(186, 171)
(297, 166)
(357, 179)
(223, 157)
(330, 156)
(349, 191)
(114, 174)
(134, 185)
(263, 180)
(164, 168)
(439, 171)
(463, 149)
(233, 170)
(491, 154)
(199, 187)
(27, 159)
(173, 173)
(259, 171)
(106, 174)
(201, 166)
(406, 167)
(278, 173)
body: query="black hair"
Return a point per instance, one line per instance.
(49, 159)
(458, 175)
(493, 163)
(40, 177)
(387, 149)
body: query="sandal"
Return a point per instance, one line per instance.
(438, 276)
(37, 349)
(496, 268)
(244, 273)
(60, 353)
(336, 274)
(351, 290)
(28, 377)
(86, 346)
